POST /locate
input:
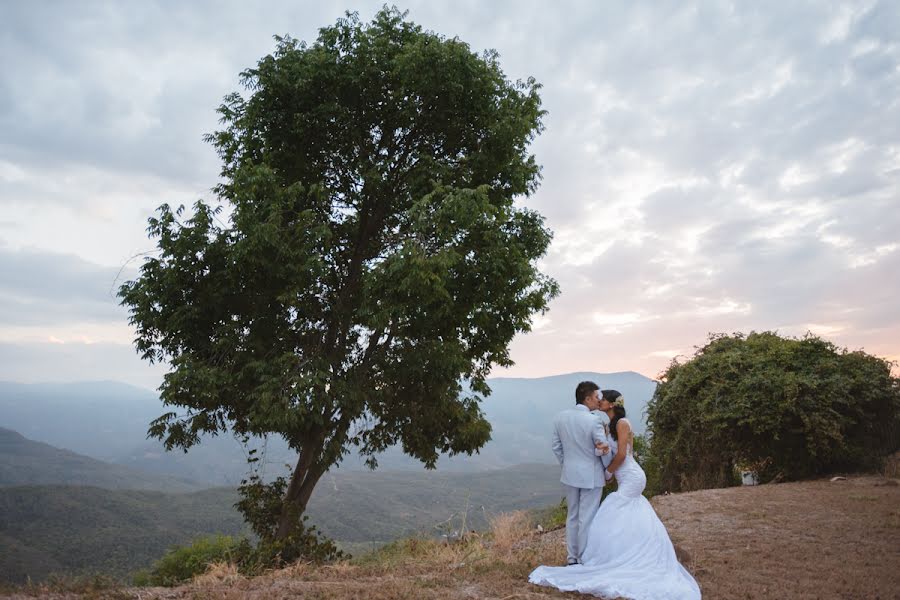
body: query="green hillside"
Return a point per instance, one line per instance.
(381, 506)
(26, 462)
(47, 529)
(74, 529)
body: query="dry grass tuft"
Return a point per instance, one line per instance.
(892, 466)
(458, 555)
(509, 530)
(297, 570)
(336, 570)
(218, 573)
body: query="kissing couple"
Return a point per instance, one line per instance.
(618, 548)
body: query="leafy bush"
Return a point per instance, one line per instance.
(262, 504)
(182, 563)
(788, 408)
(303, 543)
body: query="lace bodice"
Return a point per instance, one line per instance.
(629, 449)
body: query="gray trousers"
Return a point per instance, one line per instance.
(583, 504)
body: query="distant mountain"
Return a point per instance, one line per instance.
(26, 462)
(521, 413)
(102, 419)
(65, 529)
(109, 421)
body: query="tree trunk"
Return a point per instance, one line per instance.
(303, 480)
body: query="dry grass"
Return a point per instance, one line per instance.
(219, 573)
(87, 587)
(892, 466)
(494, 564)
(508, 531)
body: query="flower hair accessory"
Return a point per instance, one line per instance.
(620, 401)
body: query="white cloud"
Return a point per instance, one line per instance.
(670, 354)
(709, 166)
(618, 322)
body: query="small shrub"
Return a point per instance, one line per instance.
(182, 563)
(261, 505)
(303, 543)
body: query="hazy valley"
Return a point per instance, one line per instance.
(82, 490)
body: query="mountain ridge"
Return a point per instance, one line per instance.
(109, 422)
(27, 462)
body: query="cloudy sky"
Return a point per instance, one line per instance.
(708, 166)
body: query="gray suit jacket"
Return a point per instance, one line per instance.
(574, 433)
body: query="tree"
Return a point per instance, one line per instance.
(786, 407)
(373, 257)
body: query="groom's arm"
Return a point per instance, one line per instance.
(557, 445)
(598, 434)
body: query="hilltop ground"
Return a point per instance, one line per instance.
(816, 539)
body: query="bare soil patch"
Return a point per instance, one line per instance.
(817, 539)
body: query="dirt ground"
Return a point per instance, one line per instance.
(809, 540)
(818, 539)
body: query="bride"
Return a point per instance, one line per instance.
(628, 552)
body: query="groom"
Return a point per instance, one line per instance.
(576, 431)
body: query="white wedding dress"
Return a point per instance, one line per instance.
(628, 552)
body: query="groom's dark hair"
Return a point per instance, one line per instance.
(584, 390)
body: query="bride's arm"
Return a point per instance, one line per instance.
(623, 430)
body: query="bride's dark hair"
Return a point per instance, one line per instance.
(618, 411)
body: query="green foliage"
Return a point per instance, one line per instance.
(649, 463)
(79, 531)
(788, 408)
(182, 563)
(372, 259)
(262, 504)
(302, 542)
